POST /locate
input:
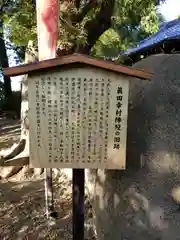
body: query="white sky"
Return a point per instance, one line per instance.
(170, 10)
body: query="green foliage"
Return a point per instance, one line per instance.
(131, 22)
(108, 45)
(21, 26)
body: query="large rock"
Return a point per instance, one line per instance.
(137, 203)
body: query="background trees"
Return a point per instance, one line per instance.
(98, 27)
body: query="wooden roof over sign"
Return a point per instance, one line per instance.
(75, 59)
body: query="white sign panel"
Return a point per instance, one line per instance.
(78, 119)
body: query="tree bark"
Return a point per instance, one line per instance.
(98, 25)
(4, 62)
(94, 27)
(21, 151)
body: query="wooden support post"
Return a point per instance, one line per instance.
(49, 198)
(78, 204)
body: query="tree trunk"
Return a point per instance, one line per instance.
(20, 153)
(4, 63)
(98, 25)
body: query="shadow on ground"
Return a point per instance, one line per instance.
(22, 213)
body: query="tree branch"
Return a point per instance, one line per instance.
(20, 162)
(98, 25)
(3, 5)
(77, 2)
(91, 4)
(16, 151)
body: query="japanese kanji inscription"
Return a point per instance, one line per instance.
(78, 119)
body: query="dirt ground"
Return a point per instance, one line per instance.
(22, 213)
(22, 205)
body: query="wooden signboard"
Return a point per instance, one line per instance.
(78, 111)
(78, 118)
